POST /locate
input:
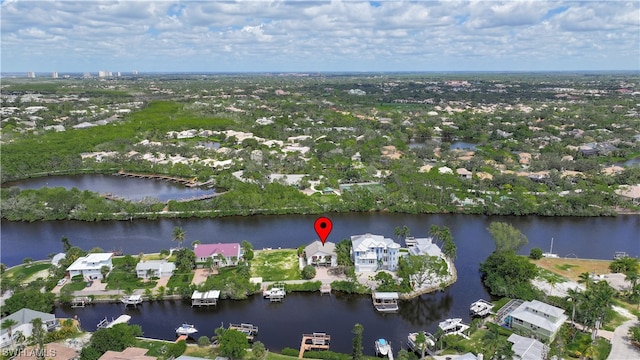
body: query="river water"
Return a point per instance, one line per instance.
(281, 325)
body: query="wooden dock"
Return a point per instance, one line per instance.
(315, 341)
(80, 302)
(249, 330)
(186, 182)
(325, 289)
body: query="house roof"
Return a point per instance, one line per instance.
(317, 247)
(527, 348)
(25, 316)
(160, 265)
(212, 294)
(544, 308)
(227, 250)
(368, 241)
(524, 313)
(131, 353)
(425, 246)
(61, 352)
(386, 295)
(91, 261)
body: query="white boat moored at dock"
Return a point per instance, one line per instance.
(454, 326)
(132, 300)
(186, 329)
(383, 347)
(480, 308)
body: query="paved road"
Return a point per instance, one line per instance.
(621, 348)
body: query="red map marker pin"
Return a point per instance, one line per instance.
(323, 227)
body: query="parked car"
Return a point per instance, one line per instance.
(62, 281)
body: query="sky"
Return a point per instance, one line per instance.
(319, 36)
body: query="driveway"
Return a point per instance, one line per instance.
(621, 348)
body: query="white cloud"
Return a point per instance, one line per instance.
(319, 35)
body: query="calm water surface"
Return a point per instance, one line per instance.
(128, 188)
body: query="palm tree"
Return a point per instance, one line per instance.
(9, 324)
(178, 235)
(401, 232)
(573, 295)
(38, 333)
(553, 281)
(585, 279)
(434, 232)
(195, 242)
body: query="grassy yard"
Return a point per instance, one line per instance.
(275, 265)
(572, 268)
(26, 271)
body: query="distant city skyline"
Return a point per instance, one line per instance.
(318, 36)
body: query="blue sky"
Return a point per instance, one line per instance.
(307, 36)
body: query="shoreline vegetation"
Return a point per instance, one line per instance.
(500, 144)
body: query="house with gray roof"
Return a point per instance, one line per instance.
(23, 324)
(374, 252)
(319, 254)
(540, 320)
(525, 348)
(423, 246)
(154, 268)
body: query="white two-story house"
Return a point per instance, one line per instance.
(374, 252)
(538, 319)
(90, 266)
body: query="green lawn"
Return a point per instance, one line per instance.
(26, 271)
(75, 285)
(275, 265)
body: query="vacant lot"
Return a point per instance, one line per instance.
(572, 268)
(275, 265)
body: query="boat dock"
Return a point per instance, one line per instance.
(315, 341)
(325, 289)
(249, 330)
(205, 298)
(122, 319)
(186, 182)
(80, 302)
(385, 301)
(275, 294)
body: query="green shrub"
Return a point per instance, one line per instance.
(176, 349)
(535, 253)
(290, 352)
(308, 272)
(203, 341)
(326, 355)
(349, 287)
(306, 286)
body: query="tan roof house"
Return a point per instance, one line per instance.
(131, 353)
(464, 173)
(51, 351)
(630, 193)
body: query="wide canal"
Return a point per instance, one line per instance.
(281, 325)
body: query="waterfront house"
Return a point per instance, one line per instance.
(222, 254)
(374, 252)
(525, 348)
(130, 353)
(23, 324)
(52, 351)
(538, 319)
(90, 266)
(154, 268)
(423, 246)
(319, 254)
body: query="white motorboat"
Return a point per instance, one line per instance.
(186, 329)
(274, 293)
(480, 308)
(453, 326)
(382, 347)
